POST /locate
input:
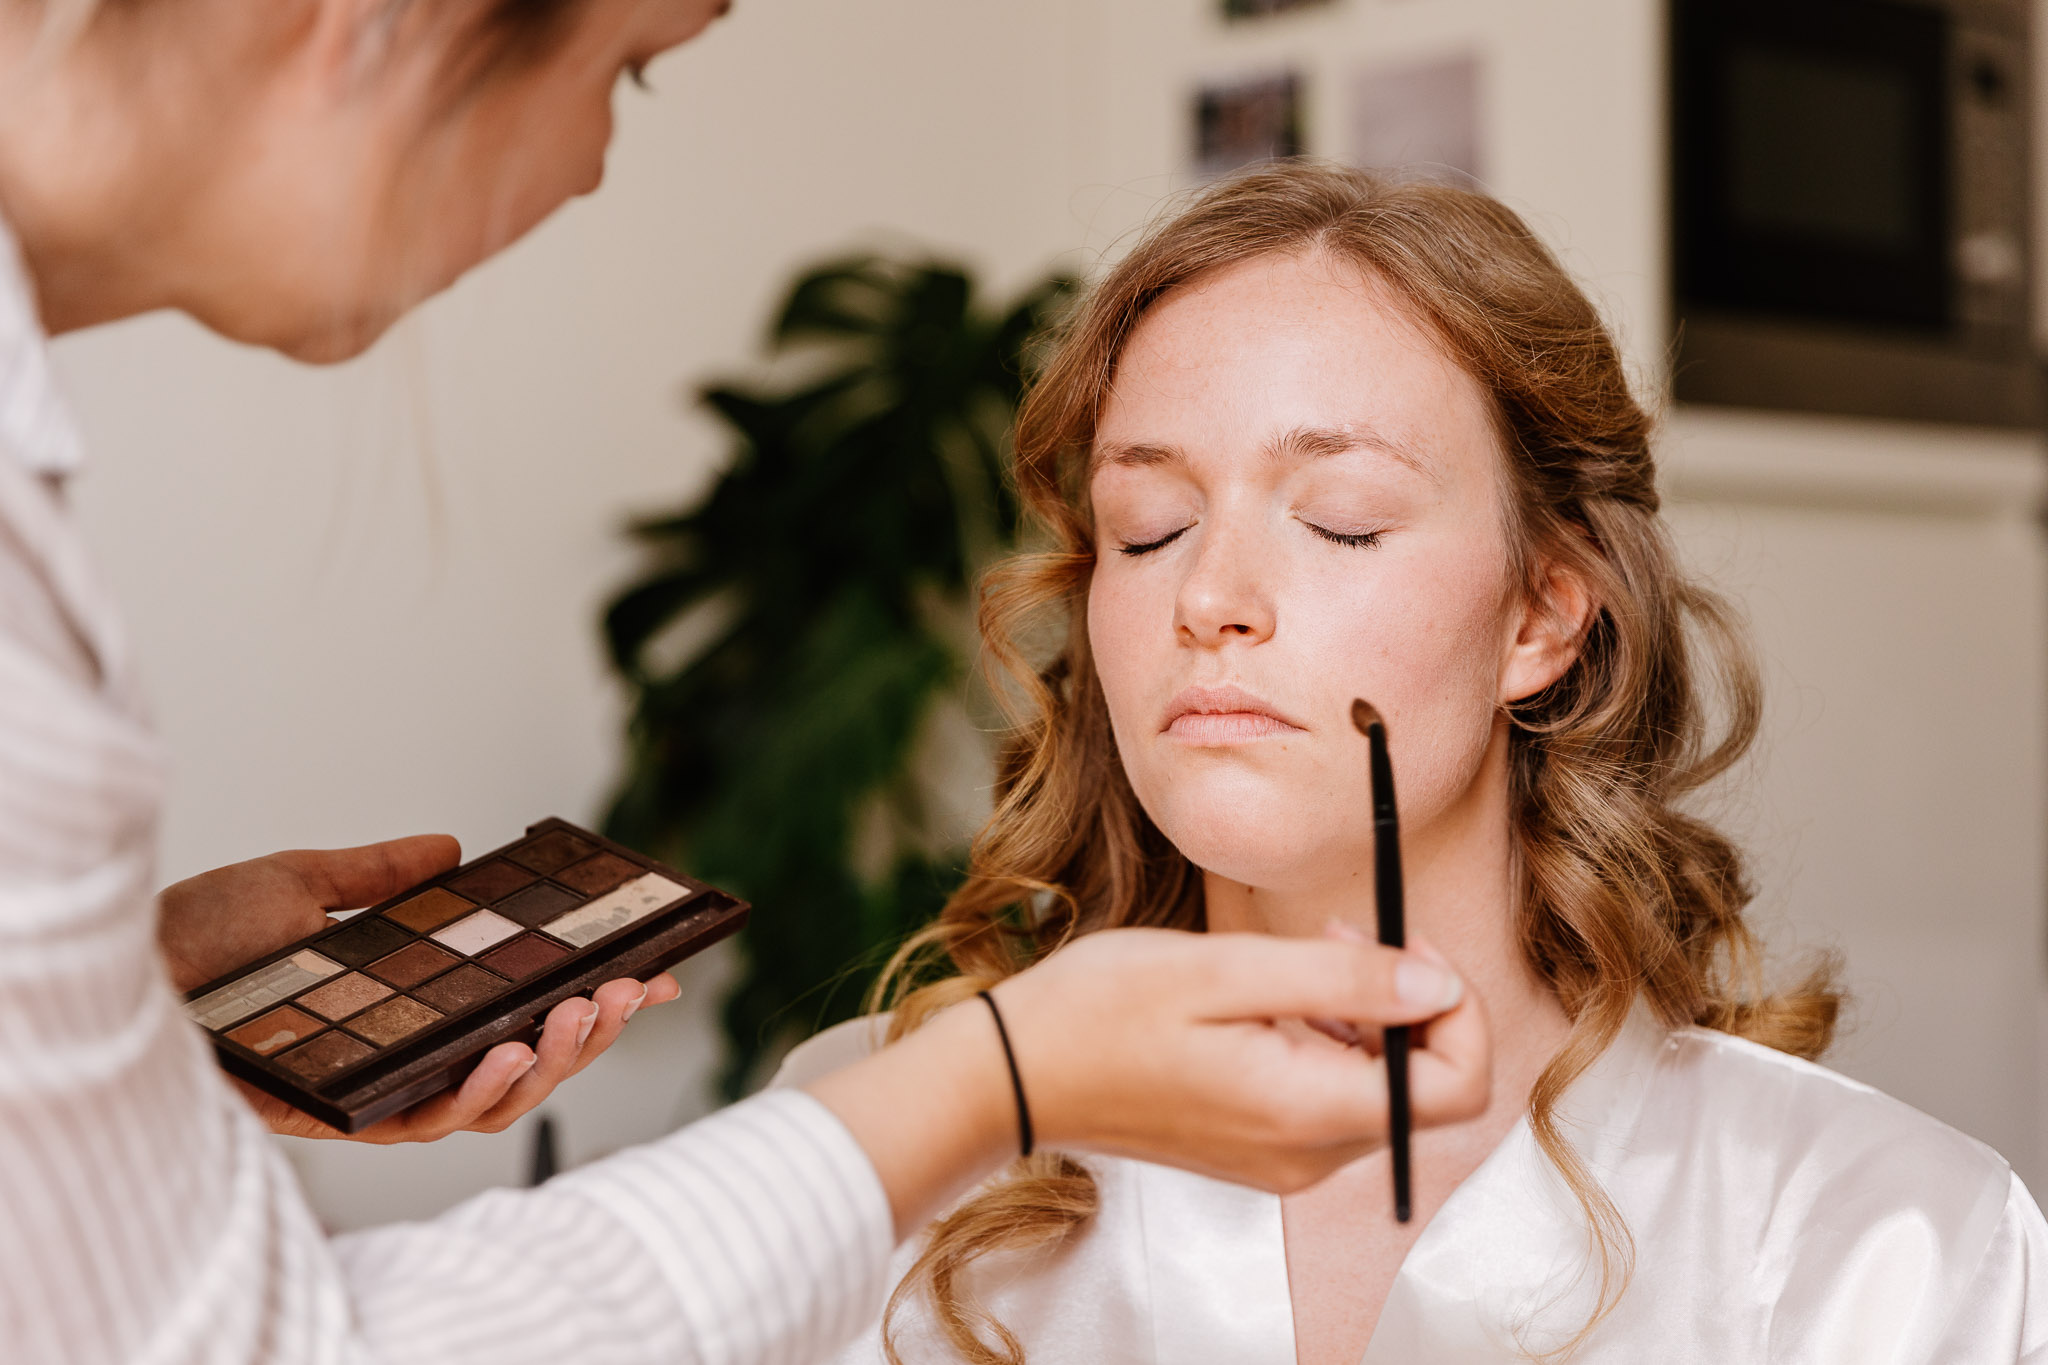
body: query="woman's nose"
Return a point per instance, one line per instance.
(1224, 598)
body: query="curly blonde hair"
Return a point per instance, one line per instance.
(1623, 895)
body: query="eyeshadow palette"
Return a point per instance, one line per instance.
(397, 1003)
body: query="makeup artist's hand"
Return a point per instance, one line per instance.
(1172, 1047)
(210, 924)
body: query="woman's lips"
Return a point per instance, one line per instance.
(1228, 727)
(1223, 715)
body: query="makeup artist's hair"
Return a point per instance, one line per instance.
(1622, 893)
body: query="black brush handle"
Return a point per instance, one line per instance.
(1399, 1119)
(1389, 902)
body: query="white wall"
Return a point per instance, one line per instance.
(368, 596)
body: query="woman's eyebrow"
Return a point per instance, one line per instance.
(1136, 454)
(1302, 443)
(1311, 443)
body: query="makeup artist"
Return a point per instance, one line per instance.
(297, 174)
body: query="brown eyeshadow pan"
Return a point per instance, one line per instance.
(461, 988)
(429, 910)
(324, 1056)
(495, 880)
(365, 939)
(555, 849)
(340, 999)
(277, 1030)
(595, 876)
(524, 956)
(536, 905)
(410, 966)
(393, 1020)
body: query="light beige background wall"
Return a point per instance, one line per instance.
(368, 596)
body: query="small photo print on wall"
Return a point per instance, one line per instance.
(1259, 9)
(1242, 122)
(1419, 119)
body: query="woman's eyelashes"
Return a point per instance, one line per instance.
(1361, 539)
(1146, 547)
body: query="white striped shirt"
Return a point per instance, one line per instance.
(146, 1216)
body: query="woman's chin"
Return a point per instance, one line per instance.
(1277, 859)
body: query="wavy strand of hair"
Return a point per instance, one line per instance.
(1625, 897)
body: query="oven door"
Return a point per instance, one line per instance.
(1849, 193)
(1811, 169)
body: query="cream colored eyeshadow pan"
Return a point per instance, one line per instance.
(634, 901)
(260, 989)
(477, 933)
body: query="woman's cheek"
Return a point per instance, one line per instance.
(1118, 636)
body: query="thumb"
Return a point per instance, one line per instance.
(348, 878)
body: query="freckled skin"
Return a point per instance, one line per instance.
(1421, 624)
(1425, 622)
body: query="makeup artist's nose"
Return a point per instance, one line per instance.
(1222, 599)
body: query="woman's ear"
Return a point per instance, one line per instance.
(1547, 638)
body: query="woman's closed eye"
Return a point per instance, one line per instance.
(1146, 547)
(1361, 539)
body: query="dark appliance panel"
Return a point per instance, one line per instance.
(1850, 207)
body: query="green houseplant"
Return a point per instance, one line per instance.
(820, 595)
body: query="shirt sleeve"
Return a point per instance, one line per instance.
(147, 1217)
(759, 1234)
(2003, 1313)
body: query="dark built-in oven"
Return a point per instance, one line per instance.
(1850, 207)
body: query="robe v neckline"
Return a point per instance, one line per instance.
(1504, 1264)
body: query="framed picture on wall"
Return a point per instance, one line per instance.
(1244, 121)
(1419, 118)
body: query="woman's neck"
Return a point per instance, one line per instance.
(1462, 898)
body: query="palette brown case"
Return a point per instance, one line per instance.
(359, 1021)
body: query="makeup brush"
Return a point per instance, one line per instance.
(1386, 857)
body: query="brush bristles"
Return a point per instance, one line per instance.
(1365, 715)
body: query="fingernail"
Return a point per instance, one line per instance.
(589, 1023)
(634, 1008)
(1423, 986)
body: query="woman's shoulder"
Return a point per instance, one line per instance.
(827, 1051)
(1819, 1140)
(1750, 1091)
(1848, 1212)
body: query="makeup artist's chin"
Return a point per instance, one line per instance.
(315, 337)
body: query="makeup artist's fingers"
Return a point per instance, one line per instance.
(512, 1079)
(1265, 977)
(468, 1107)
(1450, 1078)
(562, 1036)
(280, 1117)
(617, 1001)
(349, 878)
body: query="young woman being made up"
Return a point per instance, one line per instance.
(1322, 437)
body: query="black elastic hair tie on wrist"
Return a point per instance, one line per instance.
(1016, 1078)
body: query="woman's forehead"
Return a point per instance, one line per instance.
(1286, 355)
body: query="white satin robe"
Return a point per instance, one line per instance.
(1780, 1212)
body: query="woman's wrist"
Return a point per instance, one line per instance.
(934, 1111)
